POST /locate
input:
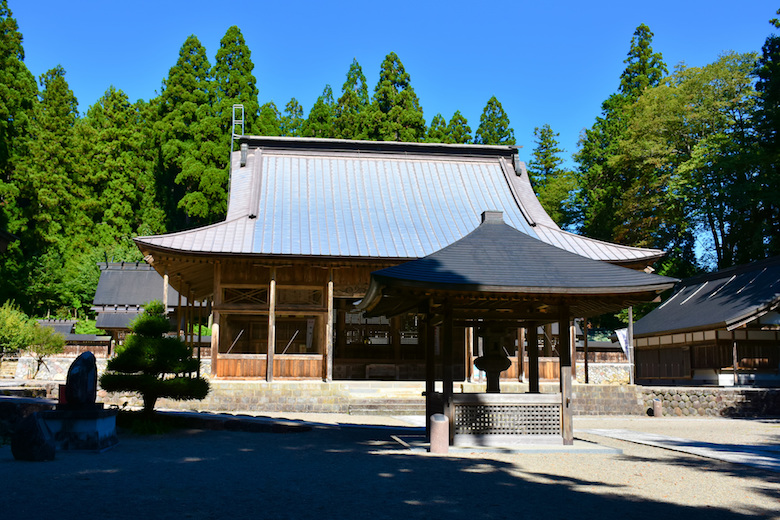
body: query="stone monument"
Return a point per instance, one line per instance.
(79, 423)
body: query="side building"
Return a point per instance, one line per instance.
(719, 328)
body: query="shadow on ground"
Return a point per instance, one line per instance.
(328, 472)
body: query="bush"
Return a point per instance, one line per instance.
(154, 365)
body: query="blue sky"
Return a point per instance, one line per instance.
(550, 62)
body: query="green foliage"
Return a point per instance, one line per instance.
(494, 125)
(395, 113)
(458, 129)
(87, 326)
(270, 120)
(234, 84)
(15, 329)
(292, 121)
(350, 113)
(437, 132)
(154, 365)
(767, 75)
(320, 122)
(555, 187)
(604, 183)
(44, 342)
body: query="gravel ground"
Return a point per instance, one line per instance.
(351, 473)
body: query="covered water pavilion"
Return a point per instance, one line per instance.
(495, 280)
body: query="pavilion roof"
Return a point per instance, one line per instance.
(378, 200)
(498, 260)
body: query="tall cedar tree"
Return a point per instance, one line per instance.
(458, 129)
(270, 120)
(234, 84)
(554, 186)
(18, 93)
(494, 125)
(767, 73)
(190, 137)
(603, 185)
(395, 113)
(350, 113)
(320, 122)
(437, 131)
(153, 364)
(292, 121)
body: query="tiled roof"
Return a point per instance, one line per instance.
(725, 299)
(307, 197)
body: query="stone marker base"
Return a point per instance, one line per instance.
(93, 430)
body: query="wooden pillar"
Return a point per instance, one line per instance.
(533, 357)
(734, 356)
(269, 370)
(585, 345)
(447, 367)
(573, 343)
(329, 331)
(547, 339)
(429, 339)
(567, 429)
(189, 325)
(200, 325)
(215, 323)
(178, 311)
(631, 358)
(166, 282)
(520, 354)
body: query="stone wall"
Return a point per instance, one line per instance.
(712, 401)
(604, 373)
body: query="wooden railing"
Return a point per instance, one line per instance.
(286, 366)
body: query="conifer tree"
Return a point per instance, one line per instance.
(350, 113)
(494, 125)
(234, 83)
(458, 129)
(395, 113)
(320, 122)
(602, 186)
(153, 364)
(18, 94)
(767, 73)
(190, 139)
(270, 120)
(292, 121)
(554, 186)
(437, 132)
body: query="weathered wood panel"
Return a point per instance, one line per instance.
(549, 368)
(238, 365)
(298, 366)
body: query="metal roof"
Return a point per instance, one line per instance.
(726, 299)
(333, 198)
(130, 285)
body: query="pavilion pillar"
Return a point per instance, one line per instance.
(165, 291)
(329, 331)
(447, 368)
(564, 338)
(631, 359)
(429, 339)
(179, 316)
(533, 357)
(585, 345)
(215, 324)
(200, 327)
(520, 353)
(269, 367)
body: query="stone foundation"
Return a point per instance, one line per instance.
(712, 401)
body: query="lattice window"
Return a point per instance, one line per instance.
(498, 419)
(303, 297)
(254, 296)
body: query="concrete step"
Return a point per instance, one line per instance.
(387, 407)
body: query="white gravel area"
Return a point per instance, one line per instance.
(332, 472)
